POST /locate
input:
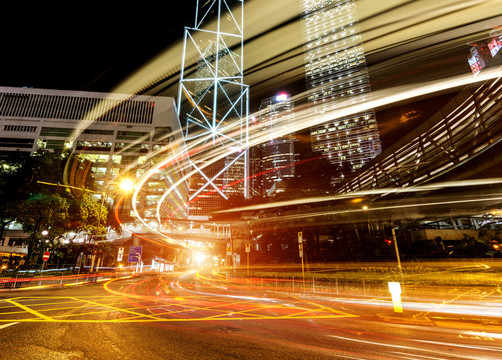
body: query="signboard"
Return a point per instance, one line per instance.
(495, 45)
(135, 254)
(46, 255)
(120, 254)
(475, 64)
(248, 248)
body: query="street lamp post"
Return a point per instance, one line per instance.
(103, 196)
(394, 239)
(125, 185)
(44, 234)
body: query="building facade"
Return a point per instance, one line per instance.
(273, 161)
(335, 69)
(482, 53)
(113, 135)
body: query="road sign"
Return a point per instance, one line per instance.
(300, 248)
(135, 254)
(46, 255)
(120, 254)
(229, 249)
(300, 237)
(248, 248)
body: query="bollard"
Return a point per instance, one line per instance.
(395, 291)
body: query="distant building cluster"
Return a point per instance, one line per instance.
(124, 134)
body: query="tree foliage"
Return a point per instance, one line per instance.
(12, 193)
(34, 199)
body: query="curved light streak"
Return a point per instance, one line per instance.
(304, 119)
(379, 208)
(373, 192)
(438, 24)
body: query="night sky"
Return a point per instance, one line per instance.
(89, 47)
(93, 48)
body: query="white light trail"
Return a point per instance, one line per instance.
(305, 119)
(386, 25)
(373, 192)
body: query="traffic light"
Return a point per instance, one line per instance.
(388, 242)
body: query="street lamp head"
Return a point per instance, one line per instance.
(126, 185)
(45, 232)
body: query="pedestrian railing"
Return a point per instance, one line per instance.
(55, 278)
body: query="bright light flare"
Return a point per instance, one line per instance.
(126, 185)
(199, 258)
(281, 97)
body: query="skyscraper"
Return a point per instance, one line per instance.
(278, 153)
(213, 106)
(335, 69)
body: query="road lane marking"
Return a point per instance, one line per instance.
(31, 311)
(89, 306)
(7, 325)
(117, 309)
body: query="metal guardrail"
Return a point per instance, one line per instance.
(29, 279)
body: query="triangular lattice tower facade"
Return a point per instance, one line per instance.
(213, 105)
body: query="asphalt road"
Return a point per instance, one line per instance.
(209, 315)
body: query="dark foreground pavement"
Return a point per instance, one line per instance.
(195, 315)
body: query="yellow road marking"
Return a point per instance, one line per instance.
(117, 309)
(153, 319)
(250, 312)
(95, 312)
(31, 311)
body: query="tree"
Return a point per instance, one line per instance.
(52, 208)
(12, 194)
(42, 212)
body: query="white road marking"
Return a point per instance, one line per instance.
(7, 325)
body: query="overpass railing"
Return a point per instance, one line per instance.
(466, 127)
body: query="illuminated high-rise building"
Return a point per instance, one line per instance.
(482, 53)
(335, 70)
(213, 106)
(272, 161)
(278, 153)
